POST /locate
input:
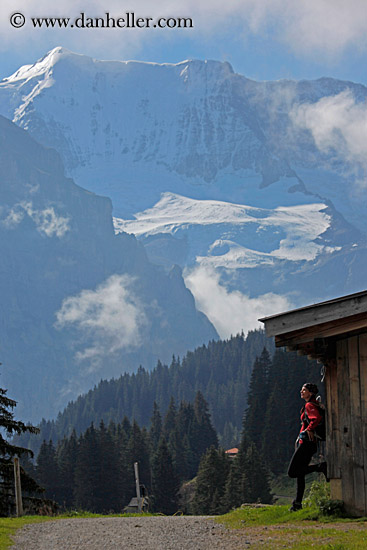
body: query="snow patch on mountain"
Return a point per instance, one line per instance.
(295, 230)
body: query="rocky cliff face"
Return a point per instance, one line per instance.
(77, 302)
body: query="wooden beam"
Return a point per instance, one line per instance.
(322, 330)
(317, 314)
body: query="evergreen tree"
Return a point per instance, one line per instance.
(125, 481)
(107, 490)
(244, 444)
(274, 450)
(126, 426)
(188, 431)
(181, 453)
(230, 436)
(138, 451)
(165, 483)
(211, 482)
(47, 470)
(66, 456)
(170, 419)
(257, 398)
(255, 479)
(233, 487)
(10, 427)
(197, 425)
(206, 434)
(87, 470)
(28, 466)
(155, 431)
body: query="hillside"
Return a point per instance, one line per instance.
(221, 370)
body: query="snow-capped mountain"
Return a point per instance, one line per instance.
(132, 130)
(247, 183)
(78, 303)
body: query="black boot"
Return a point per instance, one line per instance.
(322, 468)
(295, 506)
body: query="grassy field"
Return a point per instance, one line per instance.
(274, 527)
(8, 527)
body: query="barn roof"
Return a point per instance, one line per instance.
(311, 329)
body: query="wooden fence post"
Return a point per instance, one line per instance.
(137, 482)
(18, 488)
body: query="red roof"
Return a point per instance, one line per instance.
(233, 451)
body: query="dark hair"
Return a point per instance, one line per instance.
(311, 388)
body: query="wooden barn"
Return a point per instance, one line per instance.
(335, 333)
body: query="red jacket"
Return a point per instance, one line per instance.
(313, 414)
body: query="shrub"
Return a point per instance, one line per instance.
(319, 497)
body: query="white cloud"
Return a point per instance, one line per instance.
(47, 221)
(14, 217)
(338, 124)
(111, 315)
(329, 27)
(230, 311)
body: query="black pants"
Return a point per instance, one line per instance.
(299, 465)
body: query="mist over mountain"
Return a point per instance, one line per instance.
(78, 302)
(255, 189)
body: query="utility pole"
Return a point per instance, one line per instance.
(18, 488)
(137, 483)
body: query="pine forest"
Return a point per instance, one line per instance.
(178, 433)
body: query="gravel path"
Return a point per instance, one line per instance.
(151, 533)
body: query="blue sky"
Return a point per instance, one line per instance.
(262, 39)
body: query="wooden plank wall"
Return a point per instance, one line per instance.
(363, 383)
(356, 424)
(332, 424)
(346, 452)
(346, 387)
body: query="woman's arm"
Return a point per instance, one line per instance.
(314, 418)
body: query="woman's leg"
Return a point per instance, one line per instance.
(321, 468)
(301, 484)
(301, 458)
(299, 468)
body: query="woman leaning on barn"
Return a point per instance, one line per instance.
(306, 444)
